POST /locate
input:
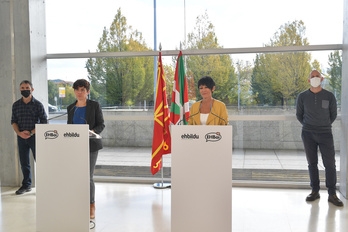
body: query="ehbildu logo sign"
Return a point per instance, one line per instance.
(190, 136)
(209, 137)
(71, 134)
(52, 134)
(213, 137)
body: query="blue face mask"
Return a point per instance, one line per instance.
(25, 93)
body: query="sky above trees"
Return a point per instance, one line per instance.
(76, 26)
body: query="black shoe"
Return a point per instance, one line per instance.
(23, 189)
(335, 200)
(313, 196)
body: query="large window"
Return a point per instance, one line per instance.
(259, 88)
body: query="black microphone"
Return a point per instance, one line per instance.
(217, 115)
(71, 110)
(78, 115)
(57, 116)
(199, 110)
(92, 134)
(179, 123)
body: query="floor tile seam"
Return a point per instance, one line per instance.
(243, 157)
(275, 152)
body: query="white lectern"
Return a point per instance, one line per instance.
(62, 174)
(201, 179)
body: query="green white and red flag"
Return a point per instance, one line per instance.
(179, 110)
(161, 143)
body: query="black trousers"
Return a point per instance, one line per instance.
(93, 155)
(24, 147)
(324, 141)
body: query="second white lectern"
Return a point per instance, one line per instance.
(62, 167)
(201, 179)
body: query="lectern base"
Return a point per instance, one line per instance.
(91, 224)
(162, 185)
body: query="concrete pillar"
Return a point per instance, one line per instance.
(344, 103)
(23, 51)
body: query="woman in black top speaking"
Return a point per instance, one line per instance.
(85, 111)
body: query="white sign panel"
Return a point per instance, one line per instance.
(62, 170)
(201, 179)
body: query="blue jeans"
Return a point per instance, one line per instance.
(325, 143)
(24, 146)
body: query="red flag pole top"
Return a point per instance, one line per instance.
(161, 143)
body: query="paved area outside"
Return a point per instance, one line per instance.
(241, 158)
(282, 166)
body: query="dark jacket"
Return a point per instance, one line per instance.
(95, 120)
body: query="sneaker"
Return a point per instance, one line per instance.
(23, 189)
(335, 200)
(313, 196)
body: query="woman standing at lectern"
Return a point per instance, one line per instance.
(208, 111)
(85, 111)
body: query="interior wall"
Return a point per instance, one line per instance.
(344, 103)
(22, 57)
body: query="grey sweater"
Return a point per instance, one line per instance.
(316, 111)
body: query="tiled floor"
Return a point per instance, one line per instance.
(142, 208)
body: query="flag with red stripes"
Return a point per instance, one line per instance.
(179, 109)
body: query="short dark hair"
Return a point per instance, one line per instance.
(26, 82)
(207, 81)
(81, 83)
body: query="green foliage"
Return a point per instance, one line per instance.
(169, 74)
(261, 83)
(120, 80)
(69, 96)
(219, 67)
(335, 73)
(316, 66)
(279, 78)
(245, 70)
(52, 92)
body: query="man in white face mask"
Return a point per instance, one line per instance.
(316, 110)
(315, 79)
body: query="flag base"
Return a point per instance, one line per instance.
(162, 185)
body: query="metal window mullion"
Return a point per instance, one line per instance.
(325, 47)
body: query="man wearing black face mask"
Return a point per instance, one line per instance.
(26, 112)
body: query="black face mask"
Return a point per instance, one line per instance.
(25, 93)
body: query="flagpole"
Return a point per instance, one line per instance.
(184, 31)
(155, 48)
(161, 185)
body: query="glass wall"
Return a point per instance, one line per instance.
(261, 107)
(259, 89)
(77, 26)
